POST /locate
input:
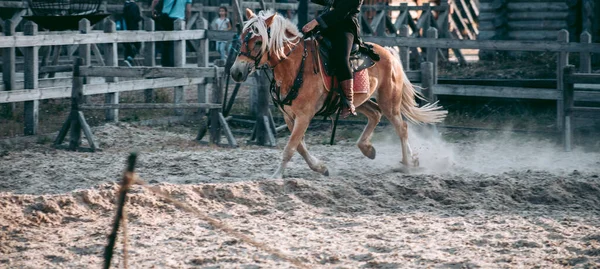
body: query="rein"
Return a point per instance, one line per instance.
(275, 90)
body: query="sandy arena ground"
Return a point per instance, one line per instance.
(483, 200)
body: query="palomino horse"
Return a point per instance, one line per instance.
(270, 39)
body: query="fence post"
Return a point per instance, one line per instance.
(76, 100)
(216, 98)
(563, 60)
(31, 81)
(112, 59)
(179, 61)
(203, 55)
(85, 49)
(149, 56)
(585, 59)
(444, 24)
(427, 14)
(427, 80)
(8, 67)
(432, 53)
(404, 51)
(568, 94)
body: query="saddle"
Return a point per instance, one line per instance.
(360, 58)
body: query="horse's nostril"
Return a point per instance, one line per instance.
(236, 76)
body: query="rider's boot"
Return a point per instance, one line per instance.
(347, 87)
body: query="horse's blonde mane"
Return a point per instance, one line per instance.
(280, 29)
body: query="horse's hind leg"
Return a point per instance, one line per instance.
(373, 113)
(402, 130)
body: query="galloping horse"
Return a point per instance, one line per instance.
(272, 40)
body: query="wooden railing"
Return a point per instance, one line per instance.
(32, 88)
(569, 79)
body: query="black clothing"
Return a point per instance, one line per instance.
(339, 23)
(132, 17)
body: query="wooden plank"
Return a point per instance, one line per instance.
(91, 89)
(95, 38)
(538, 25)
(214, 35)
(149, 106)
(496, 91)
(146, 72)
(534, 16)
(14, 4)
(524, 45)
(583, 78)
(230, 138)
(586, 109)
(525, 83)
(98, 55)
(535, 7)
(56, 69)
(87, 131)
(540, 35)
(135, 85)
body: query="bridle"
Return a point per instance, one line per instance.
(248, 52)
(257, 58)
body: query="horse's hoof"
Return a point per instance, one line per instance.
(372, 154)
(368, 152)
(326, 172)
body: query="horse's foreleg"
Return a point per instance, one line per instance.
(314, 163)
(373, 113)
(298, 130)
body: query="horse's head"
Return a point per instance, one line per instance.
(264, 35)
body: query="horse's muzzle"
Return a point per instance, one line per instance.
(239, 71)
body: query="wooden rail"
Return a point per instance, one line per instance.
(569, 79)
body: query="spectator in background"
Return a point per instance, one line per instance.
(221, 23)
(165, 14)
(131, 18)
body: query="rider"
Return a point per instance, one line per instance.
(340, 24)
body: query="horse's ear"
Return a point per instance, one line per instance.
(269, 20)
(249, 13)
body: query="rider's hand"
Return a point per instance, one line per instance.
(310, 26)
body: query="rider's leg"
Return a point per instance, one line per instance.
(342, 46)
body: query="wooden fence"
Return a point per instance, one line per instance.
(569, 79)
(31, 92)
(561, 46)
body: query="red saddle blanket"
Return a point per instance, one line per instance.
(361, 79)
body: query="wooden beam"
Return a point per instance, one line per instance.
(150, 106)
(91, 89)
(496, 91)
(583, 78)
(485, 44)
(146, 72)
(95, 38)
(56, 68)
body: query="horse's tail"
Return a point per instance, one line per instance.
(429, 113)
